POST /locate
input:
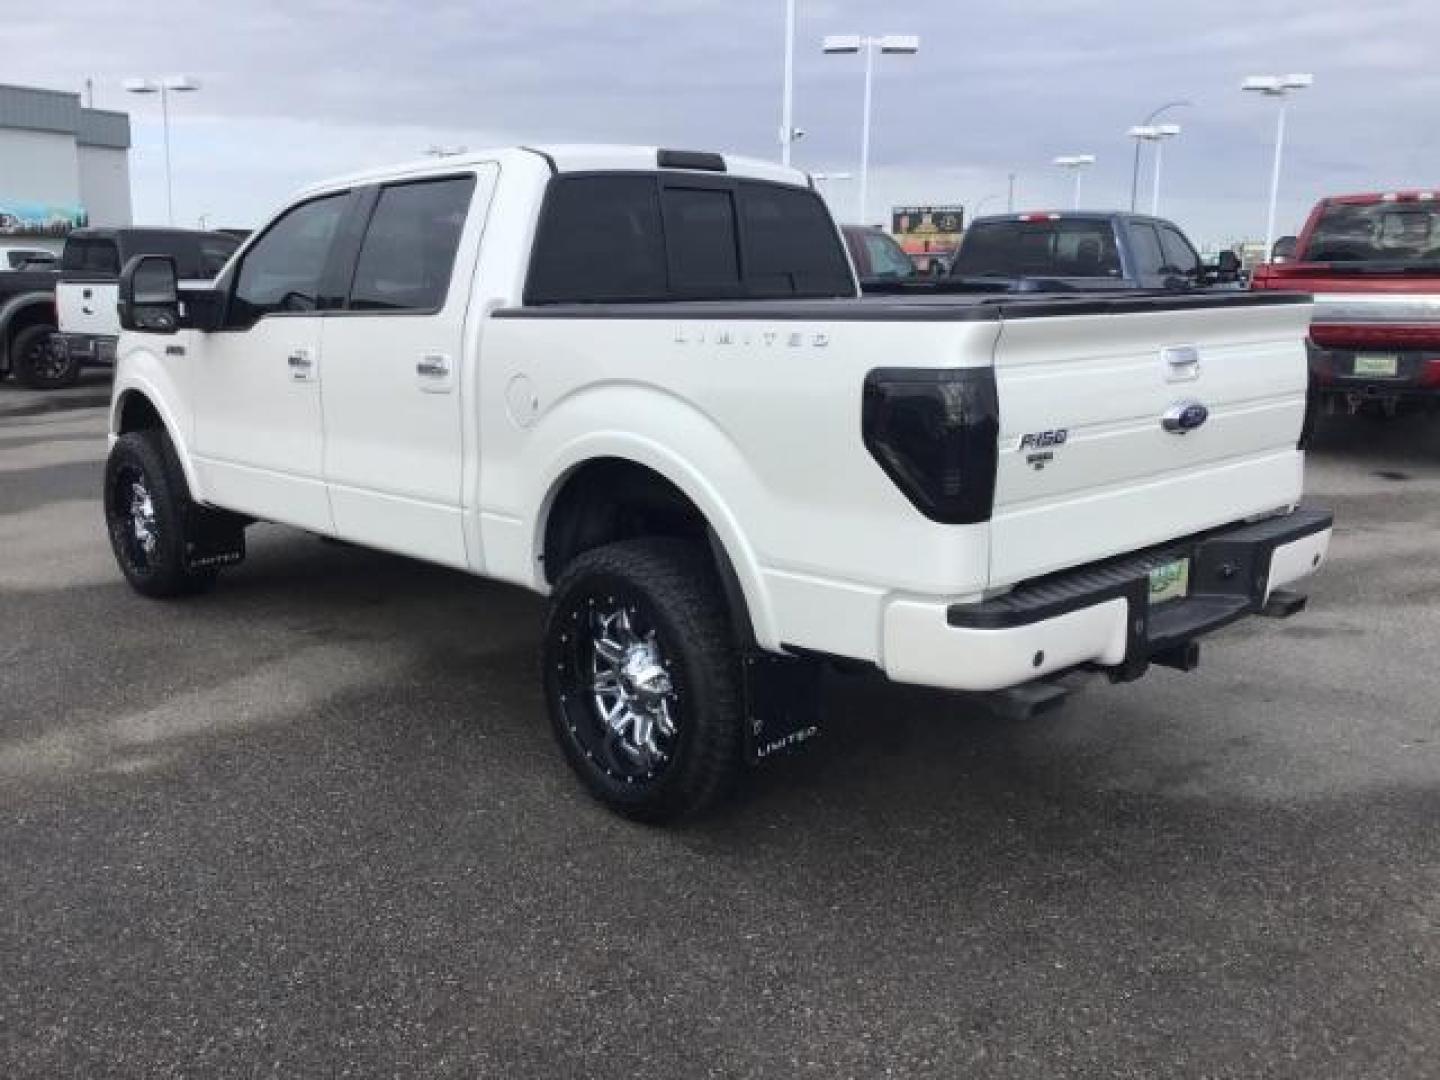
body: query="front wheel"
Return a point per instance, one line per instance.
(39, 361)
(642, 679)
(149, 516)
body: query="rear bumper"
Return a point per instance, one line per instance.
(1417, 372)
(1100, 614)
(89, 348)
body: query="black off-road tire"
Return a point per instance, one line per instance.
(158, 570)
(672, 594)
(38, 364)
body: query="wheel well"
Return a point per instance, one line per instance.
(137, 414)
(41, 313)
(611, 499)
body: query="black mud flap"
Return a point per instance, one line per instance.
(782, 704)
(215, 539)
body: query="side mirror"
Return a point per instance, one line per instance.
(1227, 268)
(150, 295)
(1284, 249)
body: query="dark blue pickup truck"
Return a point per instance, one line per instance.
(27, 325)
(1080, 250)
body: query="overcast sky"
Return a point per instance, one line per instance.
(296, 90)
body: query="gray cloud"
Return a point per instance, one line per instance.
(295, 91)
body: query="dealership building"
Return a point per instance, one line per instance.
(61, 165)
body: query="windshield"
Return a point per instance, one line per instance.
(1073, 248)
(1375, 232)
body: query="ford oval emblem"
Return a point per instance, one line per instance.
(1184, 416)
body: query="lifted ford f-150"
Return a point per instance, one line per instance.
(643, 383)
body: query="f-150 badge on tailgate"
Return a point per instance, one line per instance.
(1040, 444)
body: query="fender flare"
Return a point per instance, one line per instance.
(134, 385)
(723, 526)
(12, 307)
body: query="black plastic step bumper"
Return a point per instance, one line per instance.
(1229, 579)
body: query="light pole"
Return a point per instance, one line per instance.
(165, 86)
(1154, 115)
(981, 205)
(787, 93)
(1276, 86)
(890, 44)
(1076, 163)
(1157, 134)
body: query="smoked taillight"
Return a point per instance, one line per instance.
(935, 433)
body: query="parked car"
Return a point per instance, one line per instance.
(89, 272)
(1084, 250)
(553, 367)
(876, 255)
(1373, 263)
(27, 325)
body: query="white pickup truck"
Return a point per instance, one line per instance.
(644, 384)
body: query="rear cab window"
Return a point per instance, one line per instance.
(97, 257)
(1379, 231)
(196, 255)
(1046, 247)
(614, 237)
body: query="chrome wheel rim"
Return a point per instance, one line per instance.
(134, 518)
(141, 511)
(617, 691)
(631, 689)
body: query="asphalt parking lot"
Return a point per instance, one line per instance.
(312, 824)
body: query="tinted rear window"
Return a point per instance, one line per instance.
(90, 257)
(599, 239)
(703, 239)
(637, 237)
(196, 255)
(1065, 248)
(1377, 232)
(791, 246)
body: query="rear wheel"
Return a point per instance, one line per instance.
(149, 516)
(39, 361)
(643, 680)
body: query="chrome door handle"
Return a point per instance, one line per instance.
(301, 361)
(1182, 363)
(433, 366)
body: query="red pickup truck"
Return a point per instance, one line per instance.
(1373, 264)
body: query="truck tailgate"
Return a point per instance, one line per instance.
(88, 307)
(1087, 468)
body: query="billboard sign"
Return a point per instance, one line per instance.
(928, 222)
(927, 232)
(19, 217)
